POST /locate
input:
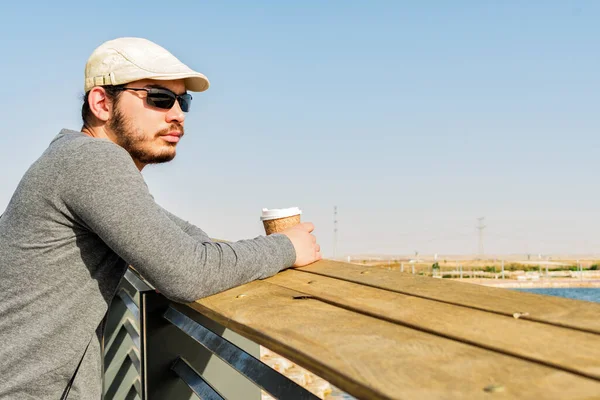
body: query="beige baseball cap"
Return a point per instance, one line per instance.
(129, 59)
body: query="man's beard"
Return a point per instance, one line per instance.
(140, 147)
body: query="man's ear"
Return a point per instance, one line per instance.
(100, 105)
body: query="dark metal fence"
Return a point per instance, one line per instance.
(158, 349)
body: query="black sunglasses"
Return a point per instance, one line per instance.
(164, 98)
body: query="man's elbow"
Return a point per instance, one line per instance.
(183, 296)
(188, 293)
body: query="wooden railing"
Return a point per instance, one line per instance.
(372, 332)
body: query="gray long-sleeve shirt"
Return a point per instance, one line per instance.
(79, 216)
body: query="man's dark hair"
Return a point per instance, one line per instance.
(112, 93)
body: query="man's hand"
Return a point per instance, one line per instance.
(307, 249)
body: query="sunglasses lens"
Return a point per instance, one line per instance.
(160, 100)
(185, 101)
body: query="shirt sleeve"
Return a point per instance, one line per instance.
(102, 186)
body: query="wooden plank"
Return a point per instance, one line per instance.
(375, 359)
(584, 316)
(525, 339)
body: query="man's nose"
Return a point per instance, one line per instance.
(175, 114)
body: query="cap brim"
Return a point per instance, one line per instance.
(195, 82)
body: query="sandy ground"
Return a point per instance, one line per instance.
(313, 383)
(480, 272)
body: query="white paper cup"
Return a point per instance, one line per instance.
(278, 219)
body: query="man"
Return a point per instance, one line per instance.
(82, 213)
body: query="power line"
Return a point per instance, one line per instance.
(480, 227)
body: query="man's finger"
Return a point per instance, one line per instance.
(319, 257)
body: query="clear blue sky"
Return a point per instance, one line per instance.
(414, 118)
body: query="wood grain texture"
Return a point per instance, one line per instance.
(574, 314)
(521, 338)
(375, 359)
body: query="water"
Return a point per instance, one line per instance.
(587, 294)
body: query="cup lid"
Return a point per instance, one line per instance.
(275, 213)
